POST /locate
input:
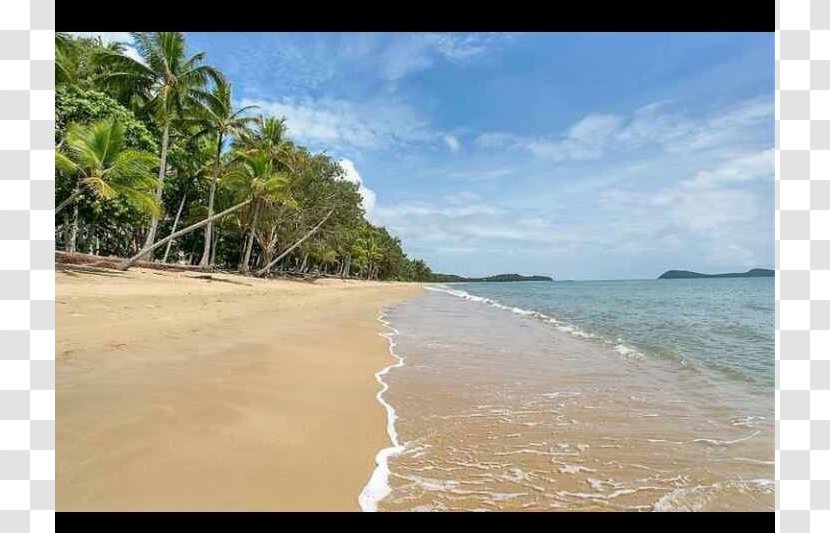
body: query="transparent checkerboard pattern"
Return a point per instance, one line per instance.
(27, 397)
(27, 277)
(802, 288)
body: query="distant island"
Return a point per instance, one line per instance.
(450, 278)
(685, 274)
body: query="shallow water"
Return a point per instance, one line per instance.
(506, 407)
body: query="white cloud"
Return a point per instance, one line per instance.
(586, 139)
(346, 126)
(744, 167)
(713, 218)
(411, 53)
(452, 143)
(653, 126)
(353, 176)
(482, 174)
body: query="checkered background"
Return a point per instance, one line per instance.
(27, 279)
(27, 396)
(802, 288)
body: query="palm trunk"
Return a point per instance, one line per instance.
(347, 268)
(154, 221)
(73, 229)
(213, 248)
(175, 223)
(287, 251)
(249, 245)
(71, 198)
(127, 263)
(206, 262)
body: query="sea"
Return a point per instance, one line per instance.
(640, 395)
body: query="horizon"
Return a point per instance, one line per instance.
(589, 155)
(554, 278)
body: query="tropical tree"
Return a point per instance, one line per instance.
(269, 136)
(220, 122)
(98, 160)
(165, 84)
(256, 178)
(258, 198)
(368, 252)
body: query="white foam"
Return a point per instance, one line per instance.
(696, 498)
(716, 442)
(627, 351)
(561, 326)
(746, 421)
(378, 486)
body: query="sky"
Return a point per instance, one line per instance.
(573, 155)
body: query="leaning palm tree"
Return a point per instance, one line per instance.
(219, 121)
(97, 157)
(167, 83)
(256, 178)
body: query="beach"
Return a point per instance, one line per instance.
(574, 397)
(177, 391)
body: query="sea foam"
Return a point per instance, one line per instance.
(378, 486)
(560, 325)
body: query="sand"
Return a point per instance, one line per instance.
(180, 393)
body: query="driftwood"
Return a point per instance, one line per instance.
(67, 258)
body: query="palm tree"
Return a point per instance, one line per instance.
(255, 177)
(97, 156)
(166, 83)
(269, 136)
(369, 251)
(219, 120)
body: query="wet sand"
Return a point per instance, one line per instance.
(503, 412)
(180, 393)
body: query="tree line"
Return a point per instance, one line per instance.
(154, 162)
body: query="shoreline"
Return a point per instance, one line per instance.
(377, 488)
(232, 393)
(549, 419)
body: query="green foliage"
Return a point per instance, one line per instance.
(110, 115)
(84, 106)
(99, 161)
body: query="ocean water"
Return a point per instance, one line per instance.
(724, 324)
(607, 395)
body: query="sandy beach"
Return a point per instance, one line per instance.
(176, 392)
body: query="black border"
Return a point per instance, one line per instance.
(561, 15)
(561, 521)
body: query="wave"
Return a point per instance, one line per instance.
(618, 345)
(378, 487)
(563, 326)
(697, 498)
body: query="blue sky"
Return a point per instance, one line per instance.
(580, 156)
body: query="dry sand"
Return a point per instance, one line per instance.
(180, 393)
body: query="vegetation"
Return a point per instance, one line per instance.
(154, 162)
(686, 274)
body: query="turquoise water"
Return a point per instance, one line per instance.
(597, 395)
(726, 325)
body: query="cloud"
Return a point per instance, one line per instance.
(452, 143)
(407, 54)
(353, 176)
(654, 126)
(330, 123)
(482, 174)
(714, 217)
(346, 127)
(744, 167)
